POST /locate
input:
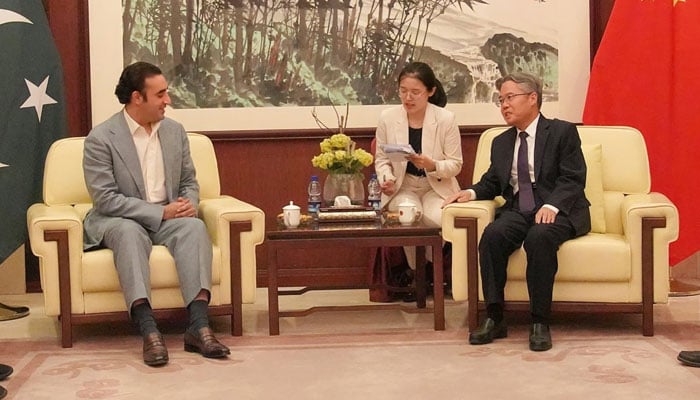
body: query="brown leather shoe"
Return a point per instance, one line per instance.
(204, 342)
(154, 350)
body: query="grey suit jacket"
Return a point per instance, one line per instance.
(115, 182)
(560, 171)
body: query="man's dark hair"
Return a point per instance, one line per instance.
(425, 74)
(527, 82)
(133, 78)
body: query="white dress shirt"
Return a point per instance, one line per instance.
(531, 131)
(151, 159)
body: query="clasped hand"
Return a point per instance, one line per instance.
(181, 208)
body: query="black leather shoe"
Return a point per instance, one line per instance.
(691, 358)
(488, 331)
(5, 371)
(204, 342)
(154, 351)
(540, 338)
(3, 392)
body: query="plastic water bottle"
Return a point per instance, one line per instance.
(314, 191)
(374, 193)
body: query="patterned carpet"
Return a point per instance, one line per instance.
(352, 355)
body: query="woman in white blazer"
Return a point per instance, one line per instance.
(427, 178)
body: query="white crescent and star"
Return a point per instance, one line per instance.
(38, 97)
(7, 16)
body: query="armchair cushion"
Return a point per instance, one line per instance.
(594, 186)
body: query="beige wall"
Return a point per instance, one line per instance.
(12, 275)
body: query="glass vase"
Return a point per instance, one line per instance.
(350, 185)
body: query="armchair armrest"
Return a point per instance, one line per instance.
(638, 206)
(650, 223)
(42, 220)
(218, 214)
(483, 212)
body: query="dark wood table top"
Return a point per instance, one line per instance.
(376, 228)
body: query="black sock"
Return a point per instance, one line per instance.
(142, 314)
(198, 315)
(495, 312)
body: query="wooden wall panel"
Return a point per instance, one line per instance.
(68, 22)
(267, 170)
(270, 172)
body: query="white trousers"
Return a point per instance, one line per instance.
(417, 190)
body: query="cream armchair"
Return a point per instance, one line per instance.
(620, 266)
(83, 287)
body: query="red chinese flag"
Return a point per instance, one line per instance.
(646, 74)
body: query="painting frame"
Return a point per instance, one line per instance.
(106, 62)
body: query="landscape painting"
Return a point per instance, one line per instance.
(261, 57)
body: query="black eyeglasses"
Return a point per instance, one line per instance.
(509, 97)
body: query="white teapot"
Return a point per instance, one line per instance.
(292, 215)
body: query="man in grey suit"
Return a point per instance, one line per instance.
(142, 182)
(537, 166)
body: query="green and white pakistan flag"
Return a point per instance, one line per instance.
(32, 114)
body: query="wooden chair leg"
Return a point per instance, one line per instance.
(64, 287)
(235, 230)
(648, 226)
(469, 224)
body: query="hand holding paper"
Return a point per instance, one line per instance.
(397, 152)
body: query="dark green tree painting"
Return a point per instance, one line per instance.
(238, 53)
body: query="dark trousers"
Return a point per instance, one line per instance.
(510, 230)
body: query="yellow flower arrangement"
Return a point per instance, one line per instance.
(338, 152)
(339, 156)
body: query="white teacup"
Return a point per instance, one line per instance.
(292, 215)
(408, 213)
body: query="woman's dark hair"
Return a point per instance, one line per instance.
(133, 78)
(425, 74)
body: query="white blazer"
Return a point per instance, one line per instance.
(441, 141)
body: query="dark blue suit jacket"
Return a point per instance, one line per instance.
(560, 171)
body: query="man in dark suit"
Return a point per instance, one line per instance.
(142, 182)
(537, 166)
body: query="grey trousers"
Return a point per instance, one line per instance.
(186, 239)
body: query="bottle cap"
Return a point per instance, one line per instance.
(314, 177)
(373, 176)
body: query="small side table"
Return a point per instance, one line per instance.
(356, 235)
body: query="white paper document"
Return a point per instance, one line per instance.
(397, 152)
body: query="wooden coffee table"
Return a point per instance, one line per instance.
(378, 234)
